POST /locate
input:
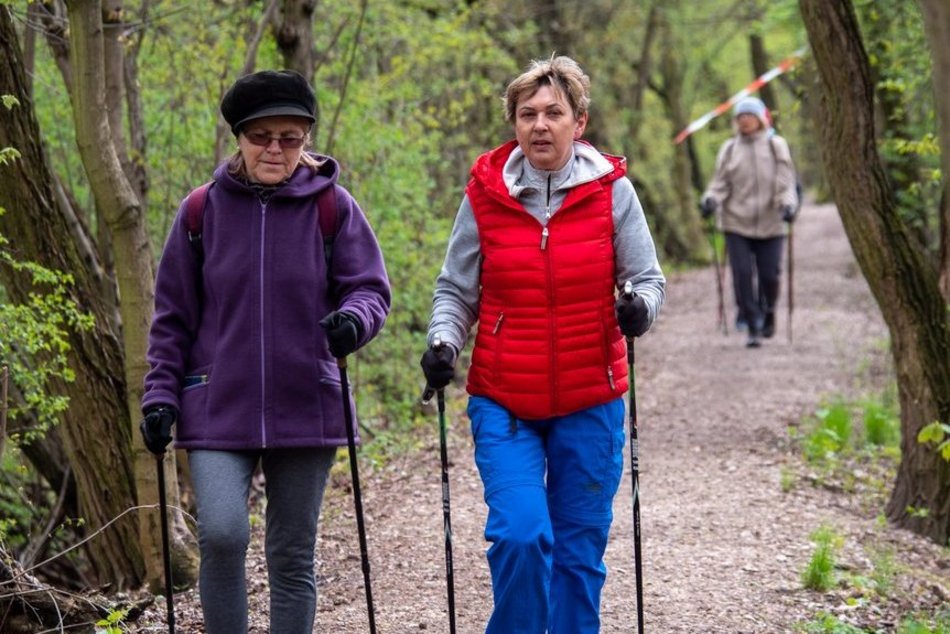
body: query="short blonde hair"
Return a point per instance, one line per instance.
(562, 73)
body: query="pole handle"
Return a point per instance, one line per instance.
(429, 392)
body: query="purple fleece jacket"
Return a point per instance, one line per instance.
(241, 354)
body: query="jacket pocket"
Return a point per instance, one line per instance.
(196, 378)
(194, 403)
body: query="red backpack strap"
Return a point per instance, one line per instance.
(327, 211)
(194, 215)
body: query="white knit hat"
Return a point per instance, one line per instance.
(753, 106)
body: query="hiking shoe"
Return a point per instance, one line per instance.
(753, 340)
(768, 327)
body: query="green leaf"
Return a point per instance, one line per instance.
(934, 432)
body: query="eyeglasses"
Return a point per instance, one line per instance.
(285, 142)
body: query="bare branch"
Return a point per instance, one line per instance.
(346, 79)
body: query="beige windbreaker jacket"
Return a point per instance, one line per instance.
(754, 179)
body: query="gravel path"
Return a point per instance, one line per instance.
(726, 503)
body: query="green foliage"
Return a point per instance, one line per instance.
(884, 571)
(35, 344)
(831, 433)
(831, 430)
(16, 508)
(882, 425)
(939, 624)
(936, 433)
(878, 583)
(894, 38)
(8, 155)
(825, 623)
(112, 624)
(819, 574)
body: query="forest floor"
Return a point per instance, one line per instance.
(728, 502)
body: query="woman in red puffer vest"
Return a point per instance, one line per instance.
(548, 230)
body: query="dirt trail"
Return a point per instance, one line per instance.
(723, 544)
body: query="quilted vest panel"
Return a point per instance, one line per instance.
(548, 343)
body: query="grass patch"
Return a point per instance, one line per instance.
(819, 574)
(851, 446)
(826, 623)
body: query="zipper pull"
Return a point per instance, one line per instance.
(544, 238)
(501, 317)
(610, 378)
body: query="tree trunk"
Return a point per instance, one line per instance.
(122, 211)
(96, 428)
(901, 278)
(678, 229)
(643, 70)
(937, 26)
(295, 35)
(760, 65)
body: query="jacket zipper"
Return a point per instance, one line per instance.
(261, 316)
(544, 244)
(501, 318)
(553, 338)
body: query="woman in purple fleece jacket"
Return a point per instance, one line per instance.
(242, 346)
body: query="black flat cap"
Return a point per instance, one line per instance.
(268, 93)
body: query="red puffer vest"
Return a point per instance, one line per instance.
(548, 343)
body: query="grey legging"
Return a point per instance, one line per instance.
(295, 481)
(748, 256)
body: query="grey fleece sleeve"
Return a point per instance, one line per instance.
(455, 300)
(634, 250)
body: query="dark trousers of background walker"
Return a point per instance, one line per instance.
(756, 265)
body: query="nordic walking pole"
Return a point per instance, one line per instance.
(722, 306)
(357, 495)
(446, 505)
(791, 279)
(635, 468)
(166, 552)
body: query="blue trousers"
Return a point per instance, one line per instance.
(295, 481)
(549, 486)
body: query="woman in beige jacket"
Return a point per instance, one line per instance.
(753, 189)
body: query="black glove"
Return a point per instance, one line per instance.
(707, 207)
(632, 315)
(788, 213)
(156, 427)
(343, 332)
(438, 364)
